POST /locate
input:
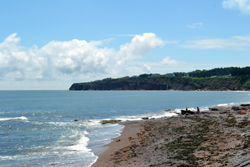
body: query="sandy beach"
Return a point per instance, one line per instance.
(218, 137)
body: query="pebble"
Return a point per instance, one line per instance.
(243, 134)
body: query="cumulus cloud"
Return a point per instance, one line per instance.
(167, 61)
(236, 43)
(139, 46)
(195, 25)
(166, 64)
(242, 5)
(76, 58)
(146, 68)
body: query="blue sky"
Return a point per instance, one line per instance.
(48, 45)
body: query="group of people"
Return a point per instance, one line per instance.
(198, 110)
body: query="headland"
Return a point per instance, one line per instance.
(218, 79)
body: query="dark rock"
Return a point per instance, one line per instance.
(213, 109)
(144, 118)
(183, 112)
(236, 108)
(76, 120)
(245, 105)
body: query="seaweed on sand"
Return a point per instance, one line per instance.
(112, 121)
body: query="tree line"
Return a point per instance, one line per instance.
(233, 71)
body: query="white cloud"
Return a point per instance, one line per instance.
(76, 56)
(242, 5)
(139, 46)
(146, 68)
(195, 25)
(165, 65)
(236, 43)
(167, 61)
(71, 59)
(139, 68)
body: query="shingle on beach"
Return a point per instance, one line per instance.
(218, 137)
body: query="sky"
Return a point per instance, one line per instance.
(51, 44)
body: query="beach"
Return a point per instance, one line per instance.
(64, 128)
(218, 137)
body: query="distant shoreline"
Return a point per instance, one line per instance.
(167, 84)
(154, 141)
(172, 90)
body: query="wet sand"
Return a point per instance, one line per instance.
(219, 137)
(130, 129)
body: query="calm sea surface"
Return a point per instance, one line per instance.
(38, 128)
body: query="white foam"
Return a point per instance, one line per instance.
(94, 160)
(14, 118)
(81, 144)
(165, 115)
(92, 123)
(36, 122)
(222, 104)
(11, 157)
(228, 104)
(60, 123)
(159, 114)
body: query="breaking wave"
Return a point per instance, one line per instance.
(14, 118)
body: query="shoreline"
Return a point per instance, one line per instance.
(172, 141)
(131, 128)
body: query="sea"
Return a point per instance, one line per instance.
(62, 128)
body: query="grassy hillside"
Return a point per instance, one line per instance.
(230, 78)
(166, 83)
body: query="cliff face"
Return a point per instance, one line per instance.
(164, 83)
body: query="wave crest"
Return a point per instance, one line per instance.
(14, 118)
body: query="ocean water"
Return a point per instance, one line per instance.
(38, 128)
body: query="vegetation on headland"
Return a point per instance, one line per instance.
(232, 78)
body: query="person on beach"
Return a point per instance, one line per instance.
(198, 110)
